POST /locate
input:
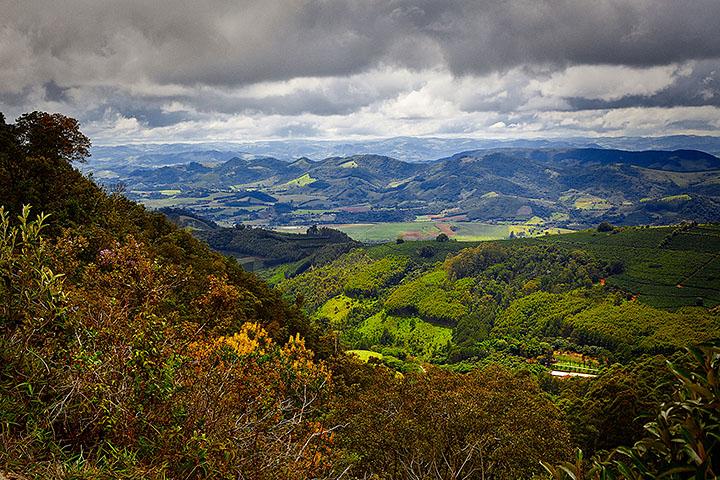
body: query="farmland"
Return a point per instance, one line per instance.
(662, 269)
(427, 230)
(541, 188)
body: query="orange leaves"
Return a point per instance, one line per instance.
(220, 297)
(253, 340)
(300, 360)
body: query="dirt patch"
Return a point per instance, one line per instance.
(445, 228)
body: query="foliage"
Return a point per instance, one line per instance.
(433, 297)
(104, 316)
(317, 247)
(318, 285)
(612, 409)
(415, 336)
(376, 276)
(507, 272)
(439, 425)
(682, 441)
(521, 293)
(34, 153)
(595, 318)
(106, 363)
(684, 269)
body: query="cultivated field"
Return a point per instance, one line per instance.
(665, 267)
(428, 230)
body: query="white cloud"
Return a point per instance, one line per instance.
(607, 82)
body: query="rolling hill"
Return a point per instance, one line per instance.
(564, 187)
(621, 293)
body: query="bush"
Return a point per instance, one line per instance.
(426, 251)
(435, 417)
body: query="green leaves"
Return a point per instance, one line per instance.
(684, 439)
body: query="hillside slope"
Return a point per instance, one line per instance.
(450, 301)
(564, 187)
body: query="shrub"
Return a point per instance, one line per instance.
(605, 227)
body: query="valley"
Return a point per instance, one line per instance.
(478, 194)
(360, 240)
(577, 300)
(169, 344)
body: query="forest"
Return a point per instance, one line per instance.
(130, 349)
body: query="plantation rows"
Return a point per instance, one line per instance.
(684, 271)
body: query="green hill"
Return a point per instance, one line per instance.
(665, 267)
(615, 294)
(259, 248)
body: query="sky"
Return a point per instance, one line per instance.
(136, 71)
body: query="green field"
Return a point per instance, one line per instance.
(387, 232)
(337, 309)
(428, 230)
(592, 203)
(472, 232)
(680, 272)
(364, 355)
(301, 181)
(419, 338)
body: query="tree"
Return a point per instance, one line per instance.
(36, 154)
(106, 361)
(426, 251)
(682, 442)
(439, 425)
(605, 227)
(684, 439)
(442, 238)
(53, 136)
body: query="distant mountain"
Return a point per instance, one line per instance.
(408, 149)
(563, 186)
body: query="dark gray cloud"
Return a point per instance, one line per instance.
(168, 62)
(222, 42)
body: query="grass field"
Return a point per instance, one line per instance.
(387, 232)
(473, 232)
(337, 309)
(427, 230)
(301, 181)
(417, 337)
(682, 271)
(364, 355)
(592, 203)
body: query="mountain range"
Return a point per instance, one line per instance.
(563, 186)
(408, 149)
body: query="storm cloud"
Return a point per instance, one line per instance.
(227, 69)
